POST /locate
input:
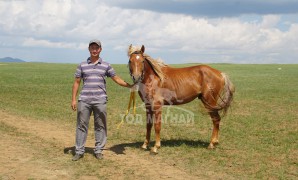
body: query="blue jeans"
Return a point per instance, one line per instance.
(100, 125)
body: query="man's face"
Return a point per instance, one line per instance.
(94, 50)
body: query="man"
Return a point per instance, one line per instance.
(93, 98)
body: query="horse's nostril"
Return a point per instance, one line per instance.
(134, 79)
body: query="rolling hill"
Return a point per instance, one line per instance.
(10, 59)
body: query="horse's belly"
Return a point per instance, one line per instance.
(180, 100)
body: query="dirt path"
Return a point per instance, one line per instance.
(34, 149)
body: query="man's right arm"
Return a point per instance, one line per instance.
(75, 89)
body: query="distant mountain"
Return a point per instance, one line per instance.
(9, 59)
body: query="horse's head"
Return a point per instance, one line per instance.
(136, 63)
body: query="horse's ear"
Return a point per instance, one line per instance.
(130, 46)
(143, 48)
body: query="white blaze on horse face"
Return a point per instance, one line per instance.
(137, 57)
(136, 69)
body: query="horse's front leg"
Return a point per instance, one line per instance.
(157, 126)
(149, 123)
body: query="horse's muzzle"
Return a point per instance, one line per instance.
(136, 79)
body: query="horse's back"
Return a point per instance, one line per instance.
(191, 72)
(187, 83)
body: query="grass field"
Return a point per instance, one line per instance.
(258, 137)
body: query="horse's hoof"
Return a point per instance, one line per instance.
(153, 153)
(212, 145)
(144, 147)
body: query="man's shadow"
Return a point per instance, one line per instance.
(71, 150)
(120, 148)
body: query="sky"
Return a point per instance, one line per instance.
(177, 31)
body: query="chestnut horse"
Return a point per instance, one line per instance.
(161, 85)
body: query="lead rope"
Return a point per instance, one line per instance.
(132, 100)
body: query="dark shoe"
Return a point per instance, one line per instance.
(77, 157)
(98, 156)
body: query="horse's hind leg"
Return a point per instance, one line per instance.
(216, 121)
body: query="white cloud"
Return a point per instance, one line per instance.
(28, 17)
(70, 24)
(270, 21)
(31, 42)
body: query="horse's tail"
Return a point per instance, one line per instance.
(226, 96)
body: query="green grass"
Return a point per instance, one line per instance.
(258, 138)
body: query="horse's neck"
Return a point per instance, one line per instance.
(149, 73)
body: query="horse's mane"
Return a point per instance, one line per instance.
(156, 64)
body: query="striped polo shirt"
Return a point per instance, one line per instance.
(94, 83)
